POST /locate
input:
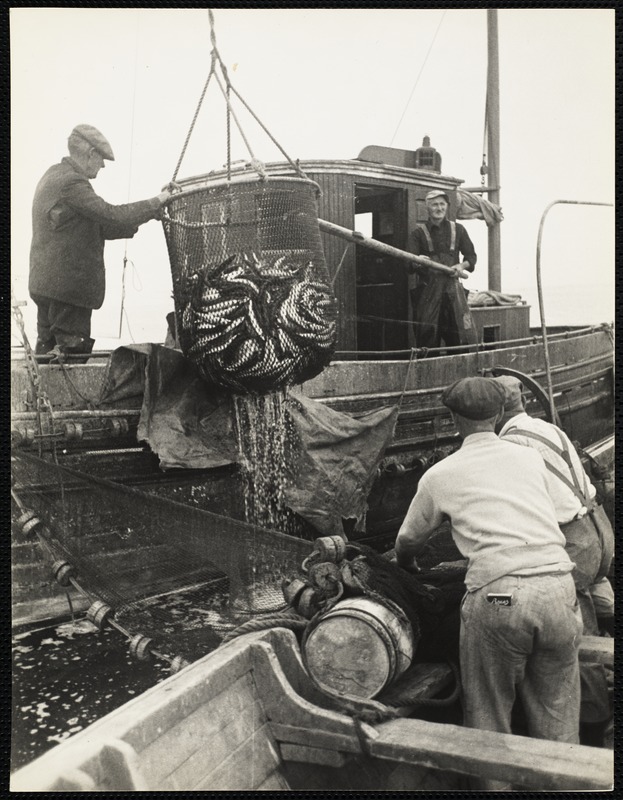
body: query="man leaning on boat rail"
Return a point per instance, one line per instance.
(70, 225)
(589, 537)
(520, 620)
(438, 302)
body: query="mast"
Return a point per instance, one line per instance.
(493, 145)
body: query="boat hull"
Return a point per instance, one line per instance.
(582, 374)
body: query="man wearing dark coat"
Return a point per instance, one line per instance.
(70, 226)
(439, 306)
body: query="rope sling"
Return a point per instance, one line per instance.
(255, 309)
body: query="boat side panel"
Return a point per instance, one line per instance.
(250, 764)
(518, 760)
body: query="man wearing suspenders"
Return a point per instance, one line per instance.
(591, 550)
(520, 621)
(439, 306)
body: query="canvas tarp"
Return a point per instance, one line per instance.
(189, 424)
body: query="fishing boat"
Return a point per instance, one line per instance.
(248, 718)
(99, 525)
(568, 375)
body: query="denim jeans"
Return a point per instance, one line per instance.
(530, 648)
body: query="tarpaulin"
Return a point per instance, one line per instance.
(473, 206)
(186, 422)
(189, 424)
(338, 458)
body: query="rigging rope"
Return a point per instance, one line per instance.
(226, 91)
(417, 80)
(125, 250)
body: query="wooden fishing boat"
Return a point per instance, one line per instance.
(568, 375)
(248, 718)
(58, 413)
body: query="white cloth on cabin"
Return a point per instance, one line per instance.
(473, 206)
(479, 299)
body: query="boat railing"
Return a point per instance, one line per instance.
(471, 348)
(550, 388)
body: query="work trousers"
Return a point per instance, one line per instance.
(529, 648)
(440, 311)
(63, 325)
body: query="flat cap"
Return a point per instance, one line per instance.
(474, 398)
(95, 139)
(512, 392)
(437, 193)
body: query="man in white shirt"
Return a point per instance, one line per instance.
(520, 621)
(590, 555)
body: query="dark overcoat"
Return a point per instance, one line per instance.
(70, 226)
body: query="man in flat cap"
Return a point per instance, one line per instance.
(438, 302)
(590, 547)
(520, 623)
(70, 226)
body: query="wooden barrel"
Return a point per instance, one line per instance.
(359, 647)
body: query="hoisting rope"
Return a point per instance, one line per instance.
(226, 91)
(125, 250)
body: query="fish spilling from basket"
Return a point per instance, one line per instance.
(257, 324)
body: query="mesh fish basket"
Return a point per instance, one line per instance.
(254, 305)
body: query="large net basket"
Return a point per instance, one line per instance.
(254, 305)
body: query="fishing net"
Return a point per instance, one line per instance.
(126, 544)
(255, 311)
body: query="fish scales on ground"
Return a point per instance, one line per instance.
(259, 324)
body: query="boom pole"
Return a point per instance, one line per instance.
(493, 145)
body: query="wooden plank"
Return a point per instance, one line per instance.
(312, 755)
(315, 737)
(164, 705)
(193, 733)
(275, 782)
(598, 649)
(246, 768)
(519, 760)
(223, 737)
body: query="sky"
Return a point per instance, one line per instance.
(326, 83)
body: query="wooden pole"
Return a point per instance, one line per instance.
(493, 145)
(381, 247)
